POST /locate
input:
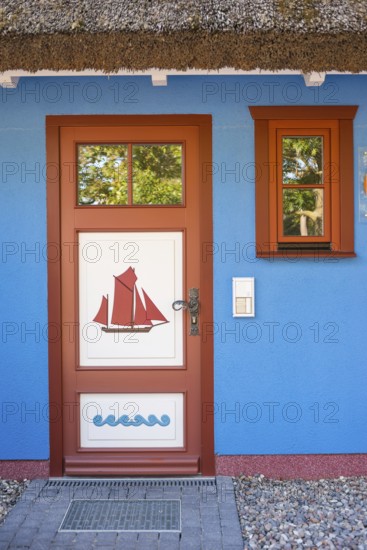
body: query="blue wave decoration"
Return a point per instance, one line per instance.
(138, 420)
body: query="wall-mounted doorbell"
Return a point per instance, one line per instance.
(243, 292)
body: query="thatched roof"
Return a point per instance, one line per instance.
(307, 35)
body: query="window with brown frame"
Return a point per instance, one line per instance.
(304, 181)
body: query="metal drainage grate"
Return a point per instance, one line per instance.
(127, 483)
(123, 515)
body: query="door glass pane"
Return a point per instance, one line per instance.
(302, 160)
(102, 174)
(303, 212)
(157, 174)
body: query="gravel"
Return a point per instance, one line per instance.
(10, 491)
(297, 514)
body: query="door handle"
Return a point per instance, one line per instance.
(193, 306)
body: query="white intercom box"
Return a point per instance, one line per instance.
(243, 292)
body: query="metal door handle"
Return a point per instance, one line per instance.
(193, 306)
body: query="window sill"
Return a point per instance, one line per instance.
(315, 254)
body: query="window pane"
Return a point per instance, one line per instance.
(157, 174)
(102, 174)
(302, 160)
(303, 212)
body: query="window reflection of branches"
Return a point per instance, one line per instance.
(302, 163)
(103, 172)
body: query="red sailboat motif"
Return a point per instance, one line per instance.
(129, 314)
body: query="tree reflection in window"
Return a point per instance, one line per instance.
(102, 174)
(157, 174)
(303, 204)
(154, 172)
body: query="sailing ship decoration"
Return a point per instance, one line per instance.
(129, 314)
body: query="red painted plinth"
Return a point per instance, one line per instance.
(273, 466)
(293, 466)
(24, 469)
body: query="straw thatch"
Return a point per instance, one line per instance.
(319, 35)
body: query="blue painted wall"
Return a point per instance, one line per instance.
(291, 380)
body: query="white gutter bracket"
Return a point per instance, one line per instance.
(314, 78)
(8, 81)
(159, 78)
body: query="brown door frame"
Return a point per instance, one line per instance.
(53, 127)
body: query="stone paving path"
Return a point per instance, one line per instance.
(209, 519)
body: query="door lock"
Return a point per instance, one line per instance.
(193, 306)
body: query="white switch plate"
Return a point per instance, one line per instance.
(243, 294)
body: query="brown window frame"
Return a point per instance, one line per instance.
(270, 124)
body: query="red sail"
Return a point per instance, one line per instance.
(122, 313)
(128, 278)
(102, 315)
(140, 313)
(153, 313)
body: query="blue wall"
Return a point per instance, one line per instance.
(280, 385)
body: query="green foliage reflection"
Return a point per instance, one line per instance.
(157, 174)
(103, 174)
(303, 212)
(303, 209)
(302, 160)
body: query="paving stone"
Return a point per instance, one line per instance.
(128, 539)
(148, 536)
(190, 545)
(169, 537)
(46, 531)
(191, 517)
(66, 538)
(207, 521)
(211, 545)
(191, 532)
(24, 537)
(14, 519)
(169, 545)
(38, 517)
(173, 492)
(210, 514)
(30, 523)
(212, 534)
(139, 495)
(232, 543)
(188, 500)
(106, 538)
(155, 493)
(227, 515)
(37, 545)
(5, 539)
(190, 523)
(83, 538)
(42, 538)
(126, 545)
(190, 538)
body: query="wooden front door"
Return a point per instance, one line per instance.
(132, 374)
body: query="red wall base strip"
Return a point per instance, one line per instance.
(24, 469)
(273, 466)
(293, 466)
